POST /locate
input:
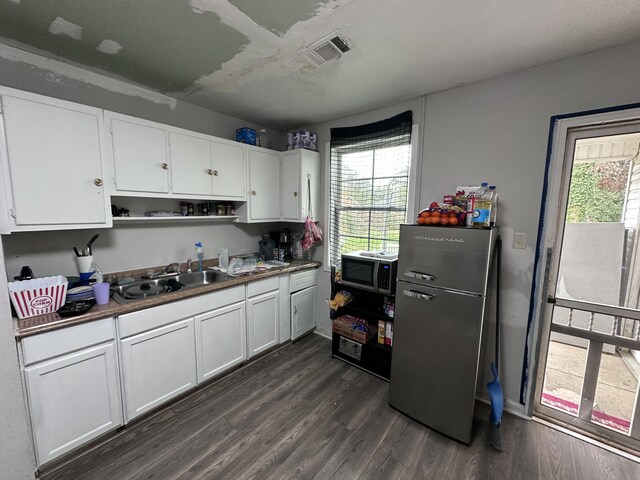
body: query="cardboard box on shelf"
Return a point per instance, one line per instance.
(354, 328)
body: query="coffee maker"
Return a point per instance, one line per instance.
(283, 242)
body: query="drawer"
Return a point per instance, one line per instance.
(154, 317)
(301, 280)
(52, 344)
(263, 286)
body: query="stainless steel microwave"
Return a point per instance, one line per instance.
(374, 271)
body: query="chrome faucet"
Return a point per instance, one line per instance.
(189, 265)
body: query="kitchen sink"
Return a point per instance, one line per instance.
(197, 279)
(165, 284)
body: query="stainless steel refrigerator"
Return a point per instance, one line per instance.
(441, 304)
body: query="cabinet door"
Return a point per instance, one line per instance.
(157, 366)
(264, 185)
(190, 164)
(262, 322)
(229, 170)
(73, 399)
(302, 317)
(220, 340)
(54, 155)
(310, 178)
(141, 162)
(291, 194)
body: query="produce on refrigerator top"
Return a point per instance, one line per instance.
(441, 214)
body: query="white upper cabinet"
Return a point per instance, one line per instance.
(191, 162)
(300, 185)
(140, 156)
(52, 166)
(205, 167)
(263, 202)
(228, 159)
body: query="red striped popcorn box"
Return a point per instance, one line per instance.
(38, 296)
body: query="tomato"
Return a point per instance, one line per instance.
(454, 221)
(444, 221)
(433, 205)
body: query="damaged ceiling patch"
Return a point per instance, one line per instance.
(60, 26)
(166, 45)
(279, 20)
(109, 47)
(56, 71)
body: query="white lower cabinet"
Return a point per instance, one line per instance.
(220, 340)
(263, 309)
(302, 286)
(73, 389)
(302, 317)
(157, 365)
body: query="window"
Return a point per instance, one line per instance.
(369, 183)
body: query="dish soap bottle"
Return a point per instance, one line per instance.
(199, 252)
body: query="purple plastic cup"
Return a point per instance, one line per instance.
(101, 293)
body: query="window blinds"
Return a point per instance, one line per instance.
(369, 180)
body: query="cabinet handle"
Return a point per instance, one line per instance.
(215, 173)
(295, 194)
(98, 182)
(165, 166)
(210, 172)
(420, 276)
(253, 192)
(418, 295)
(295, 310)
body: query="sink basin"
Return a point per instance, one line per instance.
(161, 285)
(197, 279)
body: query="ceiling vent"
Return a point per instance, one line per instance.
(330, 47)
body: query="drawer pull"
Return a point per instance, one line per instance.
(420, 276)
(418, 295)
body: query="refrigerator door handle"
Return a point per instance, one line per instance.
(419, 275)
(418, 295)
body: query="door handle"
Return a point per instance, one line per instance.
(418, 295)
(420, 276)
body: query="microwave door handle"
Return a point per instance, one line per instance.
(419, 275)
(376, 266)
(418, 295)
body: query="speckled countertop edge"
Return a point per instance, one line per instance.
(45, 323)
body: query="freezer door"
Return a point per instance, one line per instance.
(436, 349)
(448, 257)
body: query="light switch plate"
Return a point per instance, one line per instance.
(519, 240)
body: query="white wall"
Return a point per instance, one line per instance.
(127, 247)
(16, 456)
(497, 131)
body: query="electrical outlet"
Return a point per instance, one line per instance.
(519, 240)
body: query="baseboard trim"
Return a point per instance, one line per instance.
(322, 333)
(514, 408)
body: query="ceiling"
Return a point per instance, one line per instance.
(241, 57)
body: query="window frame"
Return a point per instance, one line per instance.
(413, 186)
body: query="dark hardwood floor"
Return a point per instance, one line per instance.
(298, 413)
